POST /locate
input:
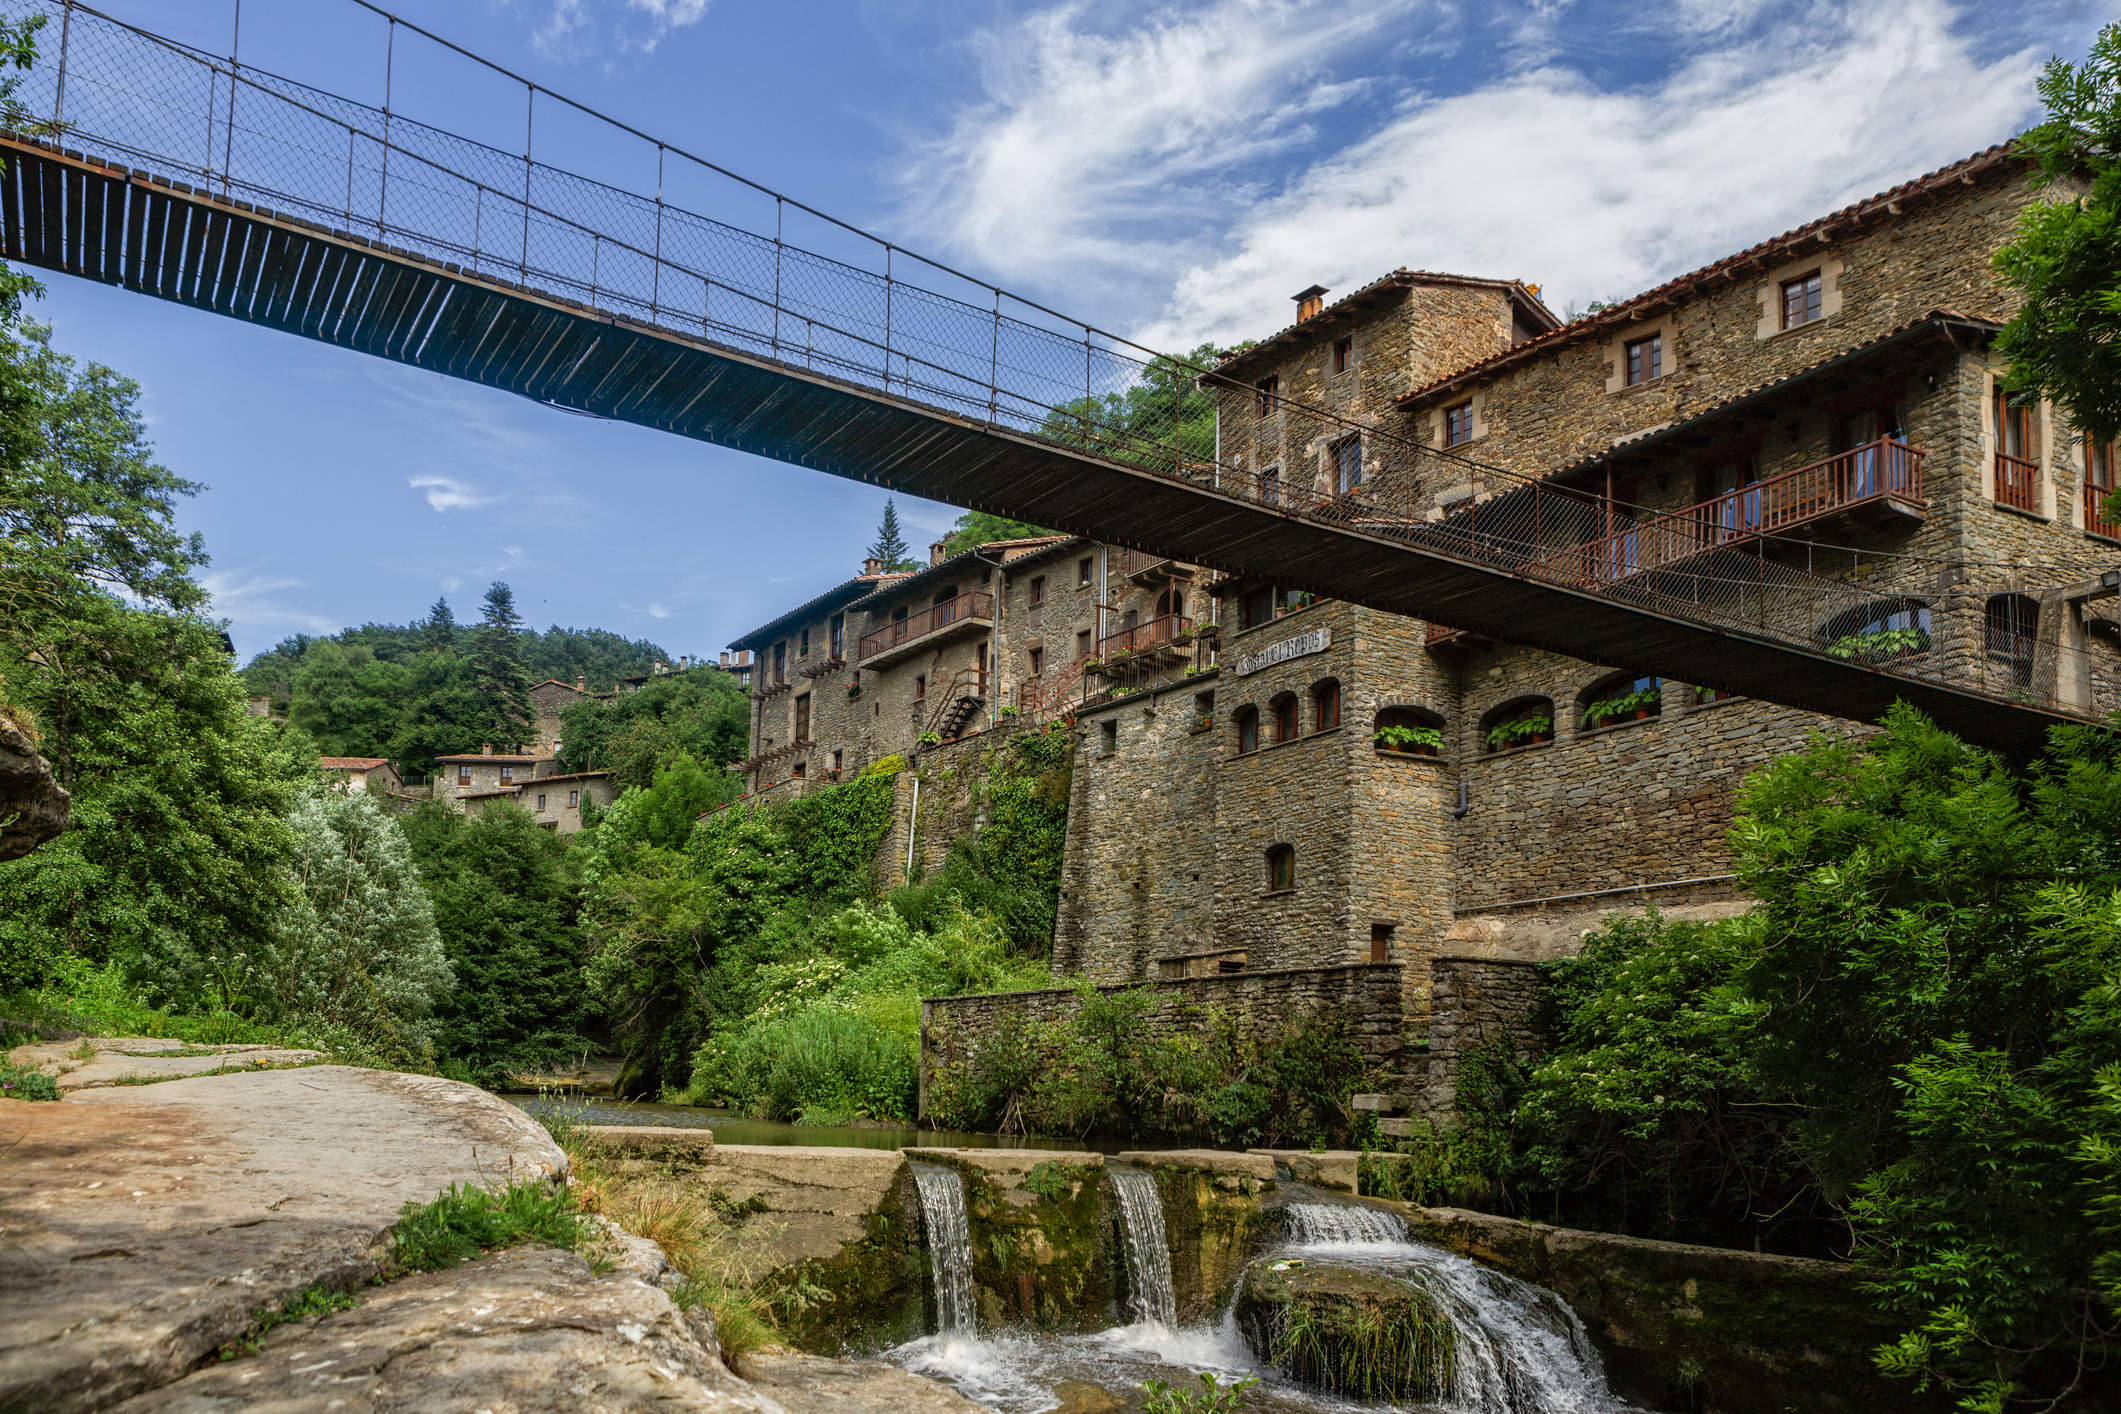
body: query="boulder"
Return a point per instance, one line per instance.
(1348, 1330)
(134, 1060)
(805, 1384)
(33, 805)
(1329, 1168)
(146, 1225)
(530, 1330)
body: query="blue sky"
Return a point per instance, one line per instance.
(1172, 172)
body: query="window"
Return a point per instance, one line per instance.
(1622, 699)
(1082, 570)
(802, 717)
(1285, 717)
(839, 635)
(804, 650)
(1281, 868)
(2017, 473)
(463, 775)
(1270, 486)
(1645, 359)
(1325, 706)
(1038, 661)
(920, 686)
(780, 661)
(1344, 354)
(1082, 644)
(508, 775)
(1038, 589)
(839, 759)
(2098, 488)
(1171, 603)
(1203, 710)
(574, 798)
(796, 772)
(2010, 634)
(1109, 735)
(898, 615)
(1801, 300)
(1879, 632)
(1524, 721)
(1269, 388)
(1247, 729)
(541, 802)
(1257, 607)
(1458, 424)
(1381, 941)
(1347, 464)
(1408, 732)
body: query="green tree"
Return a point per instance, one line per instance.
(2065, 341)
(505, 908)
(497, 658)
(976, 528)
(441, 714)
(889, 545)
(703, 713)
(356, 948)
(349, 703)
(1163, 417)
(439, 633)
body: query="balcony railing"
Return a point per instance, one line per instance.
(2095, 518)
(2017, 481)
(1138, 564)
(950, 611)
(1872, 472)
(1156, 633)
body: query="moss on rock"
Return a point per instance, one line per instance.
(1347, 1330)
(1037, 1222)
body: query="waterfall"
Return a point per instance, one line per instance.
(1518, 1348)
(949, 1246)
(1141, 1210)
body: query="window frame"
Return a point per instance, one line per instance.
(803, 642)
(1038, 589)
(1347, 464)
(1246, 720)
(1343, 354)
(1325, 703)
(574, 799)
(1085, 568)
(508, 775)
(1268, 390)
(1082, 644)
(463, 775)
(1642, 360)
(1812, 287)
(920, 686)
(802, 716)
(1038, 661)
(1288, 718)
(541, 804)
(839, 635)
(1281, 868)
(1458, 424)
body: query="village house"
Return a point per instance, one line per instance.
(459, 778)
(355, 773)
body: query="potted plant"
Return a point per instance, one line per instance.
(930, 739)
(854, 689)
(1529, 731)
(1006, 712)
(1878, 645)
(1415, 741)
(1703, 696)
(1207, 630)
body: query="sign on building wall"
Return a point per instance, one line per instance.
(1318, 640)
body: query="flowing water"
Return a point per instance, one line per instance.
(1141, 1223)
(949, 1239)
(1520, 1350)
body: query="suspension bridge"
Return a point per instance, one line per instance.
(195, 178)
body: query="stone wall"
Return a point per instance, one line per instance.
(1474, 1002)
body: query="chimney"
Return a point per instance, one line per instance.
(935, 552)
(1309, 302)
(724, 663)
(485, 748)
(581, 684)
(872, 568)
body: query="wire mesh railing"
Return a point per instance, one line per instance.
(884, 319)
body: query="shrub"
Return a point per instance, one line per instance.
(465, 1222)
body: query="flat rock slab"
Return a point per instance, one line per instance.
(1220, 1162)
(527, 1331)
(670, 1143)
(810, 1203)
(144, 1225)
(1006, 1169)
(1329, 1168)
(132, 1060)
(805, 1384)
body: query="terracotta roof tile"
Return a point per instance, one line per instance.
(352, 763)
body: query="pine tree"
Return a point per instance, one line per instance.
(440, 634)
(890, 546)
(497, 658)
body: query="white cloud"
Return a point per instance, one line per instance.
(1172, 159)
(446, 493)
(452, 584)
(1087, 142)
(1594, 194)
(514, 550)
(254, 602)
(571, 27)
(657, 611)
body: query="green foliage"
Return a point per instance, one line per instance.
(1400, 738)
(1876, 645)
(1213, 1397)
(311, 1302)
(1508, 734)
(357, 946)
(890, 546)
(2065, 341)
(498, 669)
(25, 1082)
(504, 905)
(977, 528)
(702, 713)
(466, 1222)
(833, 836)
(1048, 1179)
(1613, 709)
(1162, 413)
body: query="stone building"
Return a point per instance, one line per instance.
(548, 700)
(459, 778)
(354, 773)
(1315, 789)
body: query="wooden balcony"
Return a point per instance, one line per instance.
(1880, 481)
(951, 619)
(1165, 639)
(2017, 482)
(1145, 569)
(2095, 517)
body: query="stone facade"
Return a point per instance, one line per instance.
(1476, 1002)
(467, 777)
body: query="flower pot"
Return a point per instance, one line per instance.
(1538, 737)
(1641, 714)
(1422, 748)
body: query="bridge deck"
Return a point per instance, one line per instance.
(103, 222)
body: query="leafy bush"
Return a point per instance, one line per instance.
(25, 1082)
(466, 1222)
